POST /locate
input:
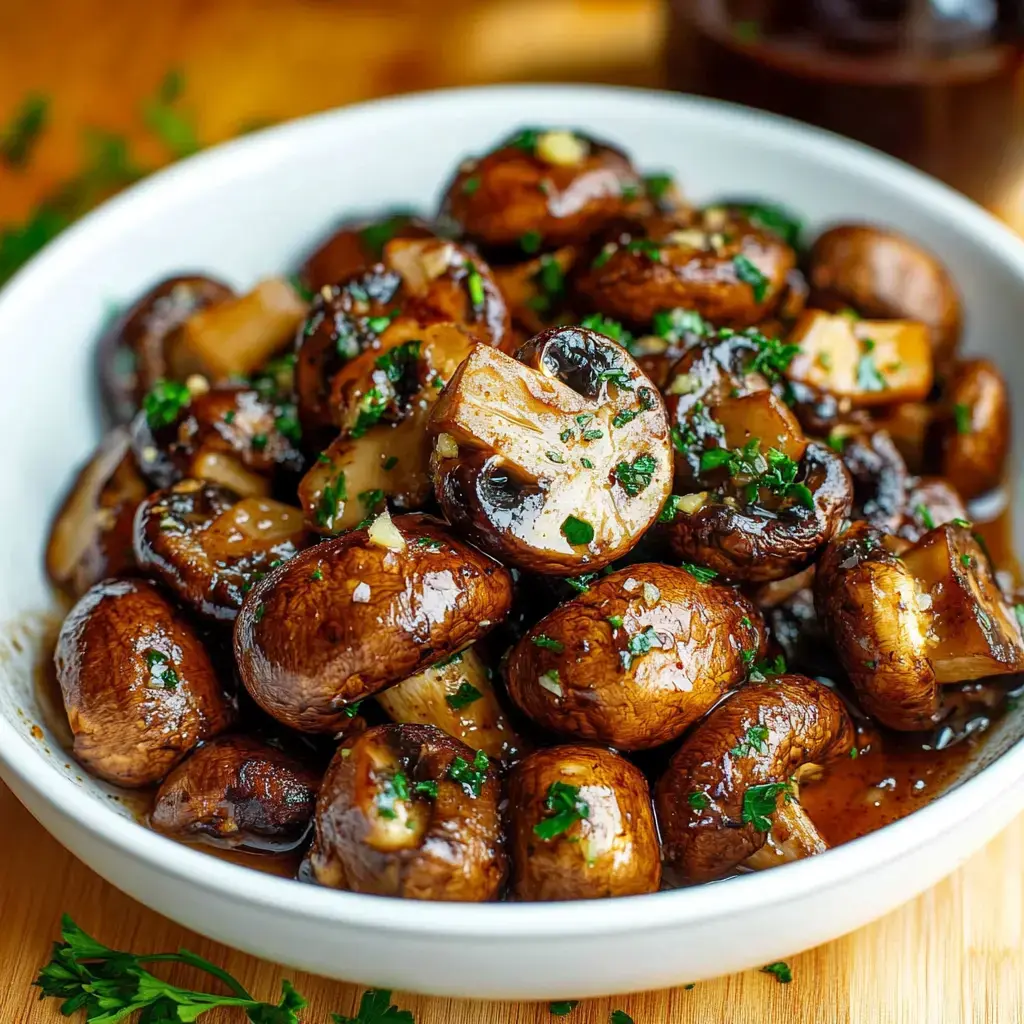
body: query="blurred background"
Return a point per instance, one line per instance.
(93, 94)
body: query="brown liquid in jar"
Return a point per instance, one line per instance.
(939, 85)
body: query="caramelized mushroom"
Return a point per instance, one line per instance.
(541, 189)
(905, 621)
(930, 502)
(348, 617)
(132, 352)
(139, 688)
(209, 546)
(729, 796)
(406, 810)
(456, 695)
(880, 479)
(536, 291)
(720, 266)
(641, 655)
(973, 431)
(91, 535)
(237, 792)
(556, 461)
(581, 826)
(884, 275)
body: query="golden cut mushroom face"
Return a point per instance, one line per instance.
(355, 614)
(557, 461)
(581, 826)
(729, 796)
(641, 655)
(406, 810)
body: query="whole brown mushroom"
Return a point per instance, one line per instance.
(638, 657)
(729, 796)
(406, 810)
(139, 689)
(581, 826)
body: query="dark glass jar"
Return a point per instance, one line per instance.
(938, 83)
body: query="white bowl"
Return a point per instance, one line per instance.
(250, 208)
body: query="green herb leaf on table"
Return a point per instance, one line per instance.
(19, 137)
(562, 1007)
(620, 1017)
(376, 1007)
(782, 971)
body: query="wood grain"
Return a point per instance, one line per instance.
(953, 956)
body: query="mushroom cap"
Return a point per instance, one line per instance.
(612, 851)
(880, 479)
(350, 616)
(727, 777)
(641, 655)
(237, 791)
(138, 686)
(557, 461)
(377, 835)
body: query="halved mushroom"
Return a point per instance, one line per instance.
(356, 245)
(729, 796)
(581, 826)
(132, 353)
(638, 657)
(756, 501)
(541, 189)
(556, 461)
(931, 502)
(230, 435)
(880, 478)
(383, 399)
(406, 810)
(139, 689)
(347, 618)
(865, 362)
(884, 275)
(237, 792)
(719, 265)
(907, 620)
(91, 536)
(456, 695)
(972, 432)
(210, 546)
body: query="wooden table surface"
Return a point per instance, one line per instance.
(954, 955)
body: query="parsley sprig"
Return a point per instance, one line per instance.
(564, 800)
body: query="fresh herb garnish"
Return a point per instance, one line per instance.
(760, 803)
(370, 410)
(699, 572)
(351, 710)
(475, 286)
(563, 1007)
(964, 420)
(616, 620)
(699, 801)
(609, 328)
(618, 376)
(754, 740)
(371, 499)
(375, 1007)
(316, 575)
(636, 476)
(645, 247)
(525, 139)
(776, 219)
(427, 788)
(670, 509)
(924, 514)
(164, 403)
(333, 495)
(868, 377)
(568, 808)
(463, 696)
(638, 645)
(581, 584)
(470, 185)
(656, 185)
(543, 640)
(174, 129)
(530, 242)
(430, 543)
(766, 667)
(577, 531)
(748, 273)
(394, 788)
(471, 776)
(782, 971)
(375, 236)
(18, 139)
(676, 324)
(620, 1017)
(160, 670)
(397, 361)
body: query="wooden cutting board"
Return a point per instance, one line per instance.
(952, 956)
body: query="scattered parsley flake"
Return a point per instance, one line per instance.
(760, 803)
(568, 808)
(543, 640)
(699, 572)
(749, 273)
(576, 531)
(782, 971)
(466, 694)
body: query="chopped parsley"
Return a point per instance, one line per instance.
(430, 543)
(1018, 611)
(396, 361)
(769, 217)
(563, 1007)
(543, 640)
(656, 185)
(18, 138)
(638, 645)
(645, 247)
(568, 808)
(699, 801)
(670, 509)
(287, 423)
(464, 695)
(371, 499)
(581, 584)
(351, 710)
(471, 776)
(965, 561)
(963, 418)
(371, 409)
(609, 328)
(379, 324)
(765, 667)
(332, 497)
(475, 286)
(618, 376)
(525, 139)
(616, 620)
(676, 324)
(557, 457)
(470, 185)
(760, 803)
(699, 572)
(392, 789)
(868, 377)
(259, 442)
(530, 242)
(754, 740)
(636, 476)
(586, 464)
(782, 971)
(375, 236)
(550, 279)
(389, 463)
(428, 788)
(577, 531)
(164, 403)
(450, 660)
(606, 253)
(924, 514)
(160, 670)
(316, 575)
(748, 273)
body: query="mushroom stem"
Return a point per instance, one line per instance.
(793, 837)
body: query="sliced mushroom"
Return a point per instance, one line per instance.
(641, 655)
(132, 352)
(209, 546)
(907, 620)
(356, 245)
(239, 793)
(731, 788)
(556, 461)
(884, 275)
(864, 362)
(139, 689)
(406, 810)
(721, 266)
(353, 615)
(541, 189)
(581, 826)
(383, 399)
(972, 432)
(229, 435)
(880, 479)
(456, 695)
(91, 536)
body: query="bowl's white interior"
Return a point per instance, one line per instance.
(251, 208)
